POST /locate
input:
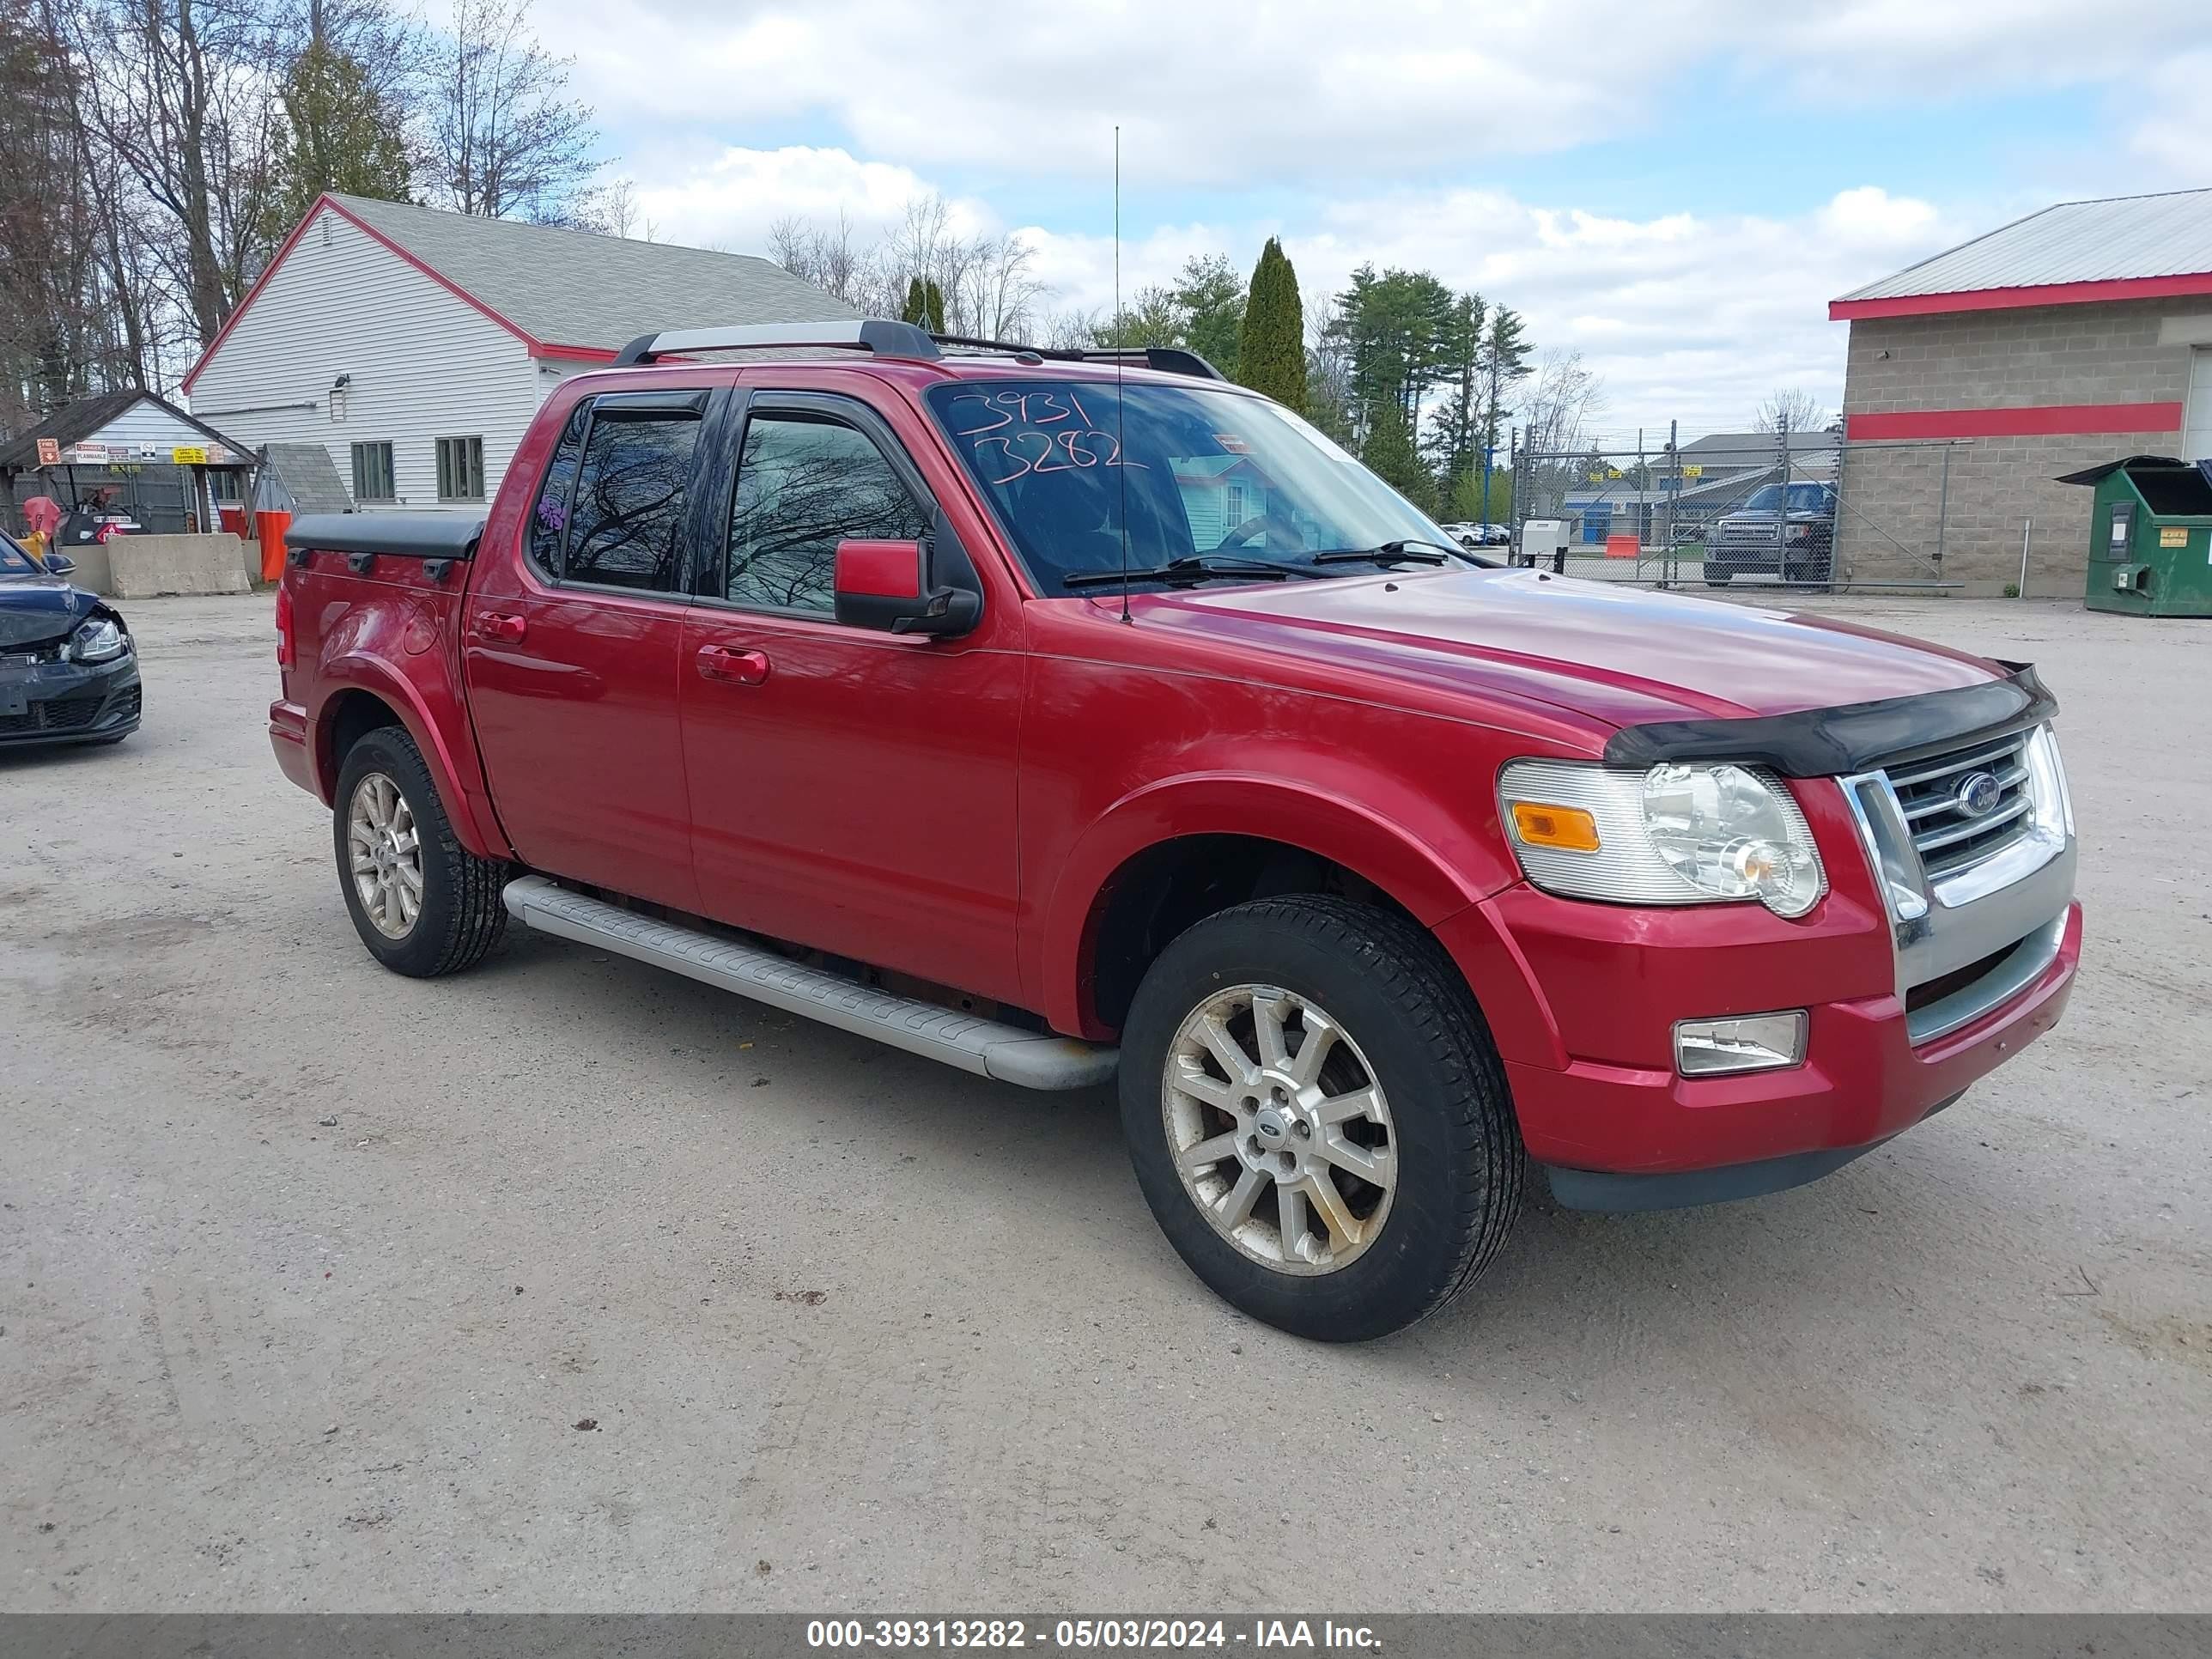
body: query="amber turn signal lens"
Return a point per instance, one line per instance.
(1569, 827)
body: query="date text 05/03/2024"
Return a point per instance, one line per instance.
(1088, 1633)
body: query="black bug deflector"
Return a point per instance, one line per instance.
(1821, 742)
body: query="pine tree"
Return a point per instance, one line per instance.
(916, 308)
(335, 131)
(1390, 456)
(1270, 351)
(932, 305)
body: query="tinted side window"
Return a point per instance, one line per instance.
(626, 523)
(551, 516)
(804, 484)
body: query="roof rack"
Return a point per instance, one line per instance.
(885, 339)
(1169, 359)
(889, 339)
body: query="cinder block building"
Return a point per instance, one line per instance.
(2076, 336)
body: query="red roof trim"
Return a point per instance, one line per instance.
(2050, 420)
(2016, 299)
(575, 353)
(375, 235)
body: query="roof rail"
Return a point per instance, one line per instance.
(1169, 359)
(885, 339)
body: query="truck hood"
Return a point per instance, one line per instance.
(36, 609)
(1618, 654)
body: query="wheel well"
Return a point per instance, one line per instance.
(1168, 888)
(350, 716)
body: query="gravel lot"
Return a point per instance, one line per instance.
(311, 1276)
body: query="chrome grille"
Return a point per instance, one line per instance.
(1948, 835)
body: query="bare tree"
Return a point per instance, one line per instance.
(185, 93)
(1000, 297)
(505, 140)
(826, 255)
(1789, 410)
(1560, 404)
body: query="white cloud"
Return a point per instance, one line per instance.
(733, 200)
(2173, 128)
(1209, 95)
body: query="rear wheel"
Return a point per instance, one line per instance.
(422, 903)
(1317, 1116)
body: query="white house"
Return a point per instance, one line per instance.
(416, 345)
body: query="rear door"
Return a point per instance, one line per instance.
(851, 790)
(571, 651)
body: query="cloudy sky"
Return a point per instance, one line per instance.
(1675, 187)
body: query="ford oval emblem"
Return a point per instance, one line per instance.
(1979, 795)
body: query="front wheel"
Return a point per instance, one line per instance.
(1318, 1117)
(1717, 575)
(422, 903)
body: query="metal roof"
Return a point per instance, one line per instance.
(577, 288)
(2118, 239)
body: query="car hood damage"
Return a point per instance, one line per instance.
(39, 612)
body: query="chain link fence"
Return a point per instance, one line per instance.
(1802, 510)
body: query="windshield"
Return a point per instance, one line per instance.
(1208, 475)
(1803, 498)
(14, 561)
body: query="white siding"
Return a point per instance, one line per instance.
(146, 423)
(424, 363)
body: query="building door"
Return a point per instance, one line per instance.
(2196, 428)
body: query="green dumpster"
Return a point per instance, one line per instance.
(2150, 540)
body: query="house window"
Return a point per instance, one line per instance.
(372, 473)
(460, 469)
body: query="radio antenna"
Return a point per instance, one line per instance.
(1120, 446)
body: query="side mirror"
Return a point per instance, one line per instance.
(908, 587)
(59, 564)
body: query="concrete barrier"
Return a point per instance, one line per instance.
(143, 567)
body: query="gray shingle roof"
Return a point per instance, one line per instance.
(2112, 239)
(301, 479)
(573, 288)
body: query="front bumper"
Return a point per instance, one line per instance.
(1583, 996)
(58, 703)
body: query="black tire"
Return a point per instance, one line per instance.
(461, 916)
(1717, 575)
(1456, 1144)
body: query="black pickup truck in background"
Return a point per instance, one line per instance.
(1796, 542)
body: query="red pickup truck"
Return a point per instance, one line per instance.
(1067, 715)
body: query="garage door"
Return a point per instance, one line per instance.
(2197, 435)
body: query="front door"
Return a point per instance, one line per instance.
(572, 653)
(851, 790)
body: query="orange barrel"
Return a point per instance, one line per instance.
(270, 528)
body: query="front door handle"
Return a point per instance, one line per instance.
(732, 666)
(500, 628)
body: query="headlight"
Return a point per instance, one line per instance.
(2051, 808)
(1678, 834)
(99, 639)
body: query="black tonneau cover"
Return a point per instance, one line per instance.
(404, 535)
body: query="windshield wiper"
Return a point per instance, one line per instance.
(1189, 569)
(1405, 550)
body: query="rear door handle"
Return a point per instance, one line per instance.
(499, 628)
(732, 666)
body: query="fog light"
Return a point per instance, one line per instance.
(1752, 1042)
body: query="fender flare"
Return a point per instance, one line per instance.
(1430, 885)
(357, 671)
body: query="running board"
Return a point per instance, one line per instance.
(982, 1046)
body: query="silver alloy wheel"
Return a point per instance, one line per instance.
(385, 856)
(1279, 1129)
